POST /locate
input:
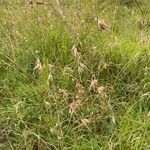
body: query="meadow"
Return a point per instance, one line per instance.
(74, 75)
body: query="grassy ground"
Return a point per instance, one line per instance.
(74, 75)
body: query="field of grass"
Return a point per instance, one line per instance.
(75, 75)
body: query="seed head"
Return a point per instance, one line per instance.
(76, 52)
(85, 122)
(94, 84)
(50, 77)
(101, 91)
(74, 106)
(38, 65)
(79, 88)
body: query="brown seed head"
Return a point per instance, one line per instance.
(74, 106)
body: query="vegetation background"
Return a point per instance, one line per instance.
(74, 74)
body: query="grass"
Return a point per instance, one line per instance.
(74, 75)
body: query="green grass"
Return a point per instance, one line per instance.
(67, 84)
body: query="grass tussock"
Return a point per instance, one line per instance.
(74, 75)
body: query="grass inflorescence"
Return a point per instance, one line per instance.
(74, 75)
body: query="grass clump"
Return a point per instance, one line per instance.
(74, 75)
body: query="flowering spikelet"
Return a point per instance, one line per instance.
(101, 91)
(79, 88)
(94, 84)
(50, 66)
(85, 122)
(67, 71)
(38, 65)
(74, 106)
(47, 104)
(50, 77)
(76, 52)
(105, 65)
(81, 67)
(101, 24)
(64, 92)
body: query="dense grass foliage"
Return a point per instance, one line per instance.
(74, 75)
